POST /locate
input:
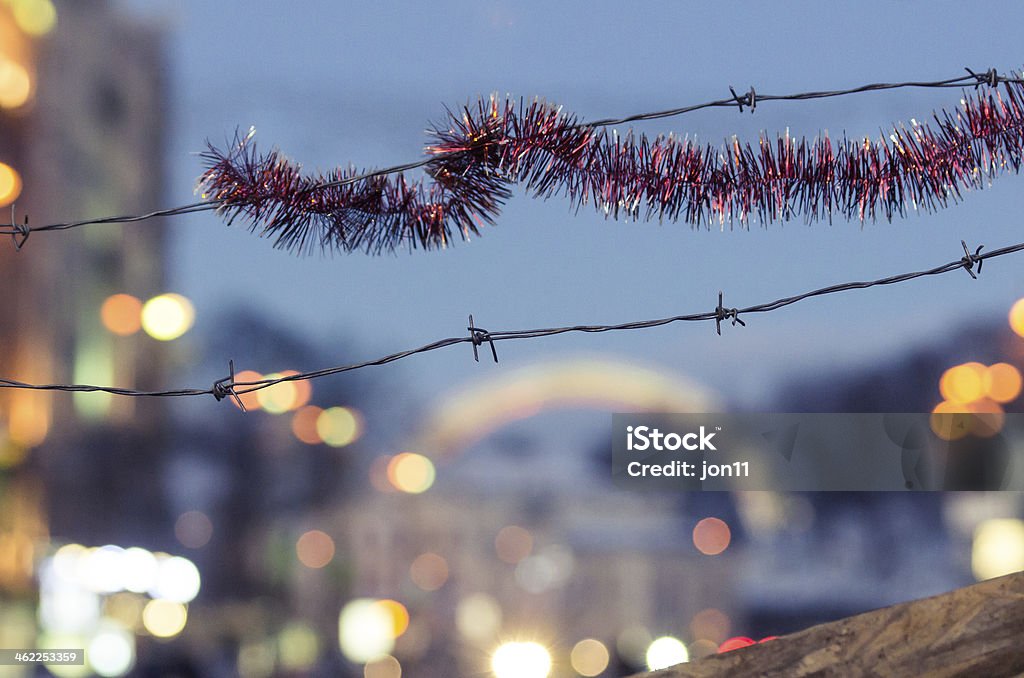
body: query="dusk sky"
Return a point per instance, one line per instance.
(337, 83)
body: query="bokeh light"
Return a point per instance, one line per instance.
(35, 17)
(315, 549)
(122, 314)
(735, 643)
(304, 424)
(963, 383)
(167, 316)
(140, 570)
(177, 580)
(111, 652)
(950, 421)
(429, 571)
(711, 536)
(164, 618)
(251, 399)
(15, 87)
(521, 659)
(710, 624)
(10, 180)
(411, 472)
(339, 426)
(998, 548)
(286, 395)
(1002, 382)
(298, 647)
(399, 616)
(1017, 317)
(193, 529)
(513, 543)
(385, 667)
(366, 630)
(666, 651)
(589, 657)
(478, 617)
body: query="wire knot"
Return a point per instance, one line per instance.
(722, 313)
(478, 336)
(749, 99)
(19, 232)
(990, 77)
(222, 388)
(969, 260)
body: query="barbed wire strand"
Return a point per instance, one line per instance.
(991, 78)
(228, 386)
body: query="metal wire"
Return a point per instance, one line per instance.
(228, 386)
(991, 78)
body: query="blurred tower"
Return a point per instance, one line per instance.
(81, 130)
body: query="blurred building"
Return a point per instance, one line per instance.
(82, 124)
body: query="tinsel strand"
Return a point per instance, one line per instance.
(482, 151)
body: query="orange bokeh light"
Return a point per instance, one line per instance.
(429, 571)
(513, 543)
(1002, 382)
(122, 314)
(304, 424)
(711, 536)
(250, 400)
(963, 383)
(315, 549)
(710, 624)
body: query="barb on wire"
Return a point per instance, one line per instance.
(472, 163)
(230, 387)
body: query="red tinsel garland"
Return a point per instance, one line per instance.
(489, 147)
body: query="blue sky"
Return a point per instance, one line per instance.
(333, 83)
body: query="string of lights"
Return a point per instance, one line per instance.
(473, 162)
(477, 336)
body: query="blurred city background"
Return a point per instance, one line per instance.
(441, 517)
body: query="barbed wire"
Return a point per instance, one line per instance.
(20, 232)
(478, 336)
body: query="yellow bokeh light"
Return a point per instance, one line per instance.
(164, 618)
(15, 84)
(286, 395)
(589, 657)
(339, 426)
(711, 536)
(304, 424)
(315, 549)
(478, 617)
(35, 17)
(10, 182)
(521, 660)
(298, 647)
(950, 421)
(998, 548)
(167, 317)
(122, 314)
(1002, 382)
(411, 472)
(399, 615)
(963, 383)
(1017, 317)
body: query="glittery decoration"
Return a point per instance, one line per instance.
(481, 152)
